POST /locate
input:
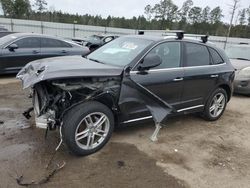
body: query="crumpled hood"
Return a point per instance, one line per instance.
(64, 67)
(240, 64)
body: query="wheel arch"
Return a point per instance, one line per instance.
(106, 99)
(227, 89)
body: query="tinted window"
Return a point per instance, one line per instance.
(30, 42)
(54, 43)
(169, 53)
(215, 57)
(196, 55)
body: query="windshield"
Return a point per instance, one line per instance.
(120, 52)
(239, 52)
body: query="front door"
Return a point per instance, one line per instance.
(165, 81)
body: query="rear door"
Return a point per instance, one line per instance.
(53, 47)
(200, 75)
(28, 50)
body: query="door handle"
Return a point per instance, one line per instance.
(35, 52)
(64, 51)
(178, 79)
(214, 76)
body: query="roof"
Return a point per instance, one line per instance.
(172, 37)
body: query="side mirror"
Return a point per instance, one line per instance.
(150, 61)
(13, 47)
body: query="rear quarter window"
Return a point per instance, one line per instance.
(196, 55)
(216, 58)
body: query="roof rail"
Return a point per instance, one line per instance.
(180, 35)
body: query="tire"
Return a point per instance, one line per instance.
(209, 113)
(79, 131)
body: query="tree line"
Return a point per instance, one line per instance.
(164, 15)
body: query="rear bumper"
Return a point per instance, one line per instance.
(242, 86)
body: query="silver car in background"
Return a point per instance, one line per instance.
(240, 59)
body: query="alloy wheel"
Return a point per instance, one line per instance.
(92, 130)
(217, 105)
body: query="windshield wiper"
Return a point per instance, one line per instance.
(95, 60)
(239, 58)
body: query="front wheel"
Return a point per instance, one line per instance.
(216, 105)
(87, 127)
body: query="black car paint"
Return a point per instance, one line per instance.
(177, 94)
(11, 61)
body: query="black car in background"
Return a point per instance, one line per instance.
(129, 80)
(16, 50)
(94, 42)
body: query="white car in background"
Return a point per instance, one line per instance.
(240, 59)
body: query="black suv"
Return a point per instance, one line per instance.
(130, 79)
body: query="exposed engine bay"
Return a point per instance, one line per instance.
(51, 99)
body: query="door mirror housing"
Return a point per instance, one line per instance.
(13, 47)
(150, 61)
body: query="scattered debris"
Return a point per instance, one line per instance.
(176, 150)
(221, 138)
(44, 180)
(26, 114)
(25, 127)
(120, 164)
(1, 122)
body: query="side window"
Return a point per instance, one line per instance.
(169, 53)
(29, 42)
(196, 55)
(215, 57)
(54, 43)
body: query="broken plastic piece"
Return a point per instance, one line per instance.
(154, 137)
(61, 139)
(26, 114)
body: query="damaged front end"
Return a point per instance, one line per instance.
(52, 99)
(61, 93)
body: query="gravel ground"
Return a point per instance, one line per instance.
(190, 152)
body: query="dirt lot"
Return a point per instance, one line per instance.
(190, 152)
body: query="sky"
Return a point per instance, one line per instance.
(129, 8)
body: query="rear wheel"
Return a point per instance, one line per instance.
(87, 127)
(215, 105)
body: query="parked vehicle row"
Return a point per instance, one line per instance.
(130, 79)
(240, 58)
(95, 41)
(18, 49)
